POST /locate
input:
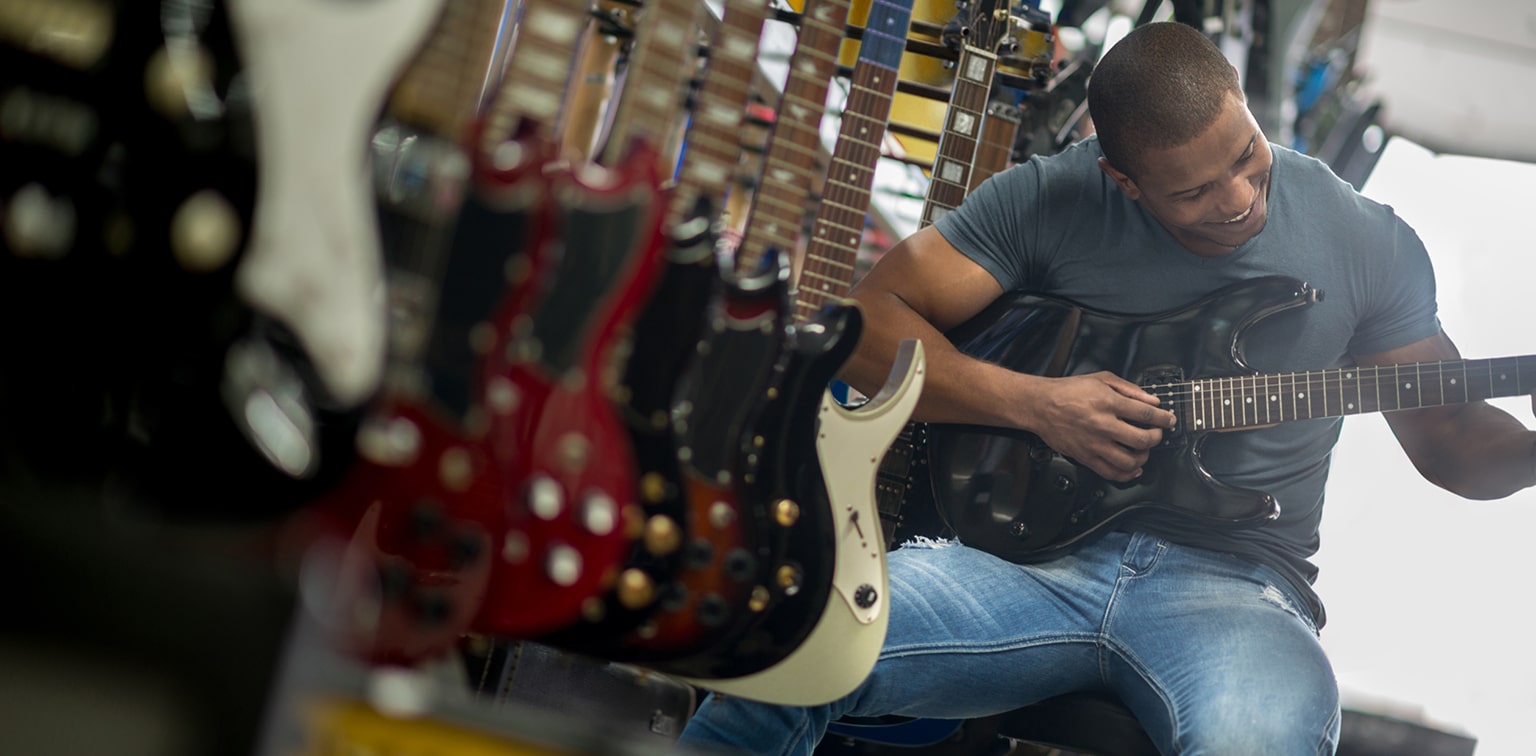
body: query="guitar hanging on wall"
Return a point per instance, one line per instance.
(1006, 492)
(818, 641)
(419, 505)
(556, 350)
(689, 574)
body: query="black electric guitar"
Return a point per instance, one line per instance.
(1008, 493)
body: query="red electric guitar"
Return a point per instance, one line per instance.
(555, 351)
(680, 580)
(417, 504)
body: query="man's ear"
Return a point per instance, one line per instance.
(1126, 183)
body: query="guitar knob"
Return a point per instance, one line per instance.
(464, 549)
(599, 513)
(1019, 529)
(739, 565)
(865, 596)
(563, 565)
(713, 610)
(636, 589)
(1064, 484)
(545, 499)
(432, 608)
(426, 519)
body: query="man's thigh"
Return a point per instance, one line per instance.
(972, 634)
(1215, 655)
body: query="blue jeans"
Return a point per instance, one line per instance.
(1214, 653)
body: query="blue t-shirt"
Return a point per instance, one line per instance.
(1058, 225)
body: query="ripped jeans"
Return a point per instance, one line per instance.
(1214, 653)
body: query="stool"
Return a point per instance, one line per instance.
(1088, 723)
(1081, 723)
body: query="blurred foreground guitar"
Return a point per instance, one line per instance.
(820, 635)
(1008, 493)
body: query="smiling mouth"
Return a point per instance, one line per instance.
(1241, 217)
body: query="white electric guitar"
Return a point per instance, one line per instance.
(319, 73)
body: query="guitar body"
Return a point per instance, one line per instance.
(413, 571)
(723, 396)
(667, 335)
(132, 186)
(819, 639)
(555, 364)
(1006, 492)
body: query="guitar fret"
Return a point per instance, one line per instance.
(850, 212)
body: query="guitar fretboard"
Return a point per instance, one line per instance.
(714, 146)
(790, 164)
(1248, 401)
(839, 225)
(998, 131)
(663, 61)
(956, 155)
(538, 69)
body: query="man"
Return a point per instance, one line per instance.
(1209, 636)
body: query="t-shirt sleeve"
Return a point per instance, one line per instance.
(989, 226)
(1400, 306)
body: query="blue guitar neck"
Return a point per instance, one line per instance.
(885, 33)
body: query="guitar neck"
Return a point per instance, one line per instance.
(534, 86)
(1249, 401)
(789, 171)
(835, 236)
(714, 141)
(956, 156)
(439, 92)
(998, 131)
(660, 67)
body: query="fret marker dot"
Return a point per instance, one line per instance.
(1503, 376)
(1274, 398)
(1408, 385)
(1349, 376)
(1453, 381)
(1301, 395)
(1199, 421)
(1350, 405)
(1249, 400)
(1227, 402)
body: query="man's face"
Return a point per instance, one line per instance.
(1211, 193)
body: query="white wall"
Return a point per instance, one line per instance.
(1429, 596)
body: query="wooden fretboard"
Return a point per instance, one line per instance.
(714, 139)
(790, 165)
(839, 226)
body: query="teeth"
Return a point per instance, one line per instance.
(1242, 217)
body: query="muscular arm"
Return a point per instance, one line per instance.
(1474, 449)
(924, 286)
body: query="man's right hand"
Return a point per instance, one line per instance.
(1100, 420)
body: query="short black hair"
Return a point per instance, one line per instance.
(1160, 86)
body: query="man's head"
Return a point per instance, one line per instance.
(1159, 87)
(1178, 138)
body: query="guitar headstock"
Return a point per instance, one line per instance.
(989, 23)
